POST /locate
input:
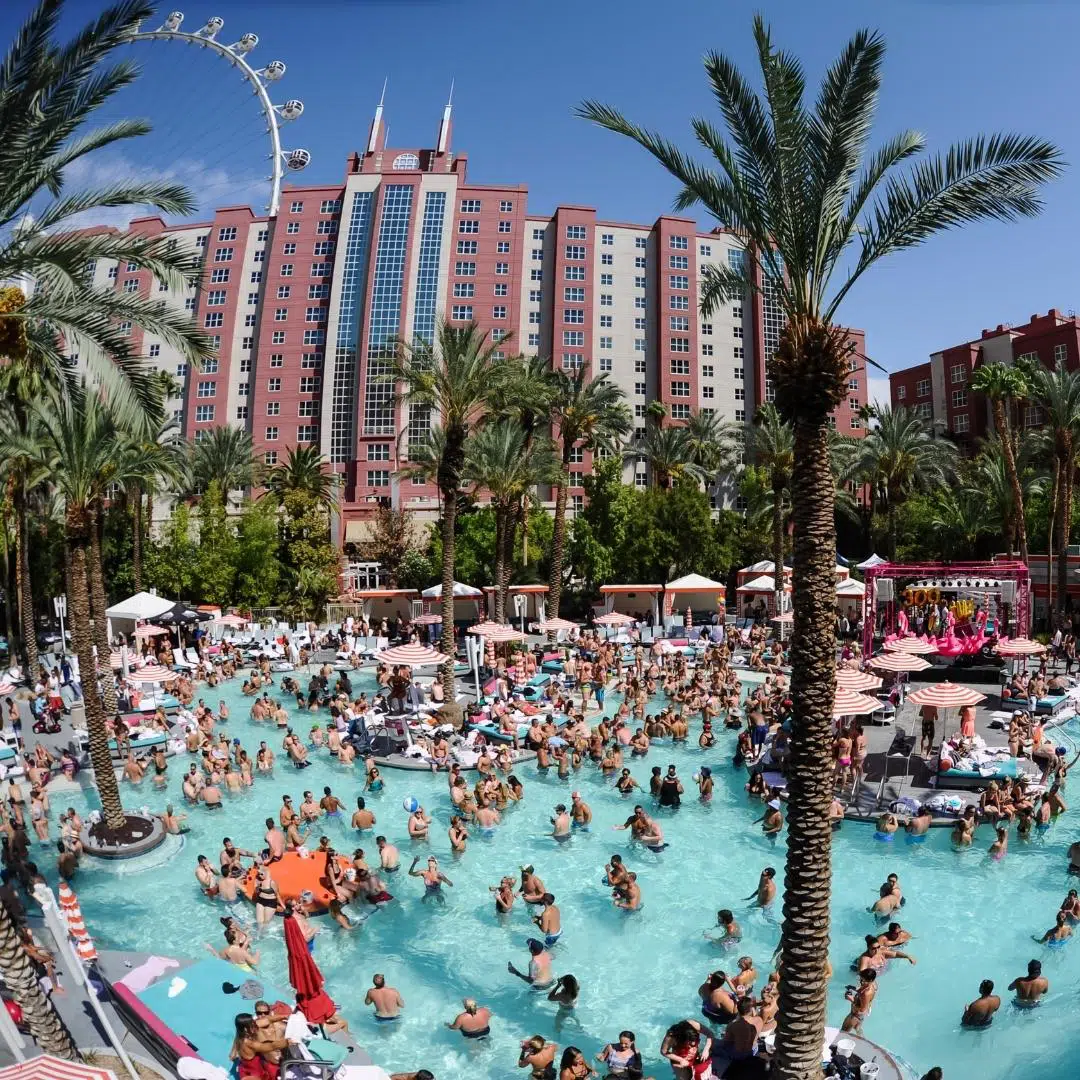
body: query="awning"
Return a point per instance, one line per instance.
(461, 591)
(142, 605)
(630, 588)
(694, 583)
(359, 530)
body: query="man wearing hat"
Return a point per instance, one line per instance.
(560, 824)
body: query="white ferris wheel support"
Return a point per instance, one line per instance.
(206, 38)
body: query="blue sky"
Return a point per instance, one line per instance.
(954, 69)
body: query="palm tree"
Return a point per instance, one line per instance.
(304, 469)
(961, 517)
(771, 444)
(1006, 385)
(500, 459)
(452, 378)
(815, 209)
(590, 413)
(226, 454)
(899, 456)
(1057, 394)
(714, 444)
(668, 453)
(990, 478)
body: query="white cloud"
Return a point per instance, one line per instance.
(210, 188)
(877, 389)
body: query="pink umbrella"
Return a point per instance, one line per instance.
(911, 645)
(504, 633)
(615, 618)
(849, 703)
(487, 628)
(413, 654)
(116, 659)
(152, 673)
(6, 686)
(899, 661)
(556, 624)
(946, 695)
(1019, 647)
(688, 618)
(429, 619)
(231, 620)
(47, 1067)
(857, 680)
(150, 630)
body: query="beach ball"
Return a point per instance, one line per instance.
(411, 804)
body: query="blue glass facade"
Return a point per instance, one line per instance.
(426, 300)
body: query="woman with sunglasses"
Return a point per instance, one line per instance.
(254, 1051)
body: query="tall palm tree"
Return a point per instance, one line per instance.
(899, 456)
(961, 516)
(991, 478)
(816, 208)
(669, 454)
(304, 469)
(714, 444)
(590, 413)
(1006, 385)
(453, 378)
(500, 459)
(771, 445)
(1057, 394)
(226, 454)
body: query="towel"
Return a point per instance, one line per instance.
(148, 972)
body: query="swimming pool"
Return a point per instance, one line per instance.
(972, 919)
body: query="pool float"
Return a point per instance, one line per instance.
(295, 874)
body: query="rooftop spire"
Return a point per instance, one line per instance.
(443, 143)
(377, 135)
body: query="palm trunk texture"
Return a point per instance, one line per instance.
(98, 604)
(1002, 421)
(499, 614)
(558, 544)
(1065, 530)
(778, 542)
(25, 586)
(137, 539)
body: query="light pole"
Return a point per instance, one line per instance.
(60, 607)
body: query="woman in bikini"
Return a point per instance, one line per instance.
(266, 897)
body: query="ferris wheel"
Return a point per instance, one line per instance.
(259, 79)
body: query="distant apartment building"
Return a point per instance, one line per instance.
(304, 308)
(939, 389)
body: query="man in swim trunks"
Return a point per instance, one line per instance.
(729, 934)
(717, 1002)
(206, 877)
(275, 840)
(539, 976)
(560, 824)
(765, 893)
(331, 805)
(389, 856)
(532, 888)
(980, 1013)
(615, 872)
(580, 813)
(362, 817)
(1031, 987)
(434, 879)
(474, 1022)
(628, 895)
(740, 1039)
(1059, 933)
(549, 921)
(387, 1001)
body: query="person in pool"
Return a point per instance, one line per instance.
(504, 895)
(918, 824)
(387, 1002)
(765, 893)
(729, 930)
(549, 921)
(580, 813)
(670, 790)
(717, 1002)
(560, 824)
(625, 784)
(474, 1022)
(532, 888)
(389, 856)
(614, 872)
(539, 975)
(980, 1012)
(861, 998)
(622, 1058)
(627, 896)
(772, 821)
(705, 783)
(1031, 987)
(362, 817)
(1059, 933)
(418, 824)
(434, 879)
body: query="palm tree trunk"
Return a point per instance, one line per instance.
(778, 541)
(805, 935)
(1065, 529)
(558, 544)
(136, 538)
(1001, 419)
(449, 519)
(1051, 530)
(500, 553)
(98, 604)
(25, 585)
(503, 575)
(79, 526)
(893, 520)
(10, 590)
(43, 1020)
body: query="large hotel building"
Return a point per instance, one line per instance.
(303, 308)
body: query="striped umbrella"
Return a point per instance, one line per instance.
(911, 645)
(152, 673)
(899, 661)
(486, 628)
(413, 654)
(946, 695)
(69, 908)
(150, 630)
(428, 619)
(556, 625)
(504, 633)
(1019, 646)
(849, 703)
(47, 1067)
(615, 618)
(857, 680)
(231, 620)
(116, 659)
(6, 686)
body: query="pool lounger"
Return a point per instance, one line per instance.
(552, 667)
(967, 778)
(1051, 705)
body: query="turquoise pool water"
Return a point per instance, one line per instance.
(972, 919)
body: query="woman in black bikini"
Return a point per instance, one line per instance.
(266, 897)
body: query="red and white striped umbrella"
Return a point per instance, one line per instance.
(69, 908)
(150, 630)
(487, 628)
(856, 680)
(6, 686)
(849, 703)
(556, 624)
(946, 695)
(47, 1067)
(615, 618)
(152, 673)
(899, 661)
(231, 620)
(1019, 646)
(428, 619)
(413, 654)
(912, 645)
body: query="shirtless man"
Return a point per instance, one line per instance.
(729, 934)
(387, 1001)
(980, 1013)
(539, 975)
(532, 888)
(765, 893)
(286, 812)
(628, 895)
(615, 872)
(389, 856)
(172, 821)
(560, 824)
(862, 1000)
(362, 817)
(740, 1037)
(580, 812)
(206, 877)
(1031, 987)
(474, 1022)
(1061, 930)
(549, 921)
(275, 840)
(919, 823)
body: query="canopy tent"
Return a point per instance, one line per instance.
(142, 606)
(696, 592)
(378, 604)
(468, 601)
(635, 600)
(849, 587)
(756, 570)
(524, 603)
(460, 590)
(766, 583)
(869, 564)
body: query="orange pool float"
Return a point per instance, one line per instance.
(293, 874)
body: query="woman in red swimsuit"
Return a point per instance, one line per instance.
(252, 1050)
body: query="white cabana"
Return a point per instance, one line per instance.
(766, 583)
(755, 570)
(850, 588)
(869, 564)
(636, 600)
(141, 607)
(525, 604)
(460, 590)
(696, 592)
(379, 604)
(468, 601)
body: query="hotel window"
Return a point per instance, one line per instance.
(639, 367)
(739, 373)
(307, 408)
(241, 412)
(465, 269)
(219, 275)
(502, 268)
(639, 344)
(707, 371)
(378, 477)
(285, 271)
(498, 311)
(678, 322)
(679, 262)
(292, 228)
(378, 452)
(738, 352)
(277, 360)
(737, 331)
(310, 384)
(572, 273)
(538, 234)
(538, 254)
(573, 337)
(505, 227)
(296, 208)
(534, 318)
(307, 433)
(639, 282)
(503, 247)
(311, 360)
(283, 292)
(640, 389)
(1061, 353)
(574, 294)
(281, 314)
(223, 255)
(318, 292)
(464, 289)
(575, 252)
(607, 239)
(273, 408)
(315, 315)
(200, 241)
(249, 319)
(330, 206)
(461, 312)
(575, 232)
(261, 236)
(131, 285)
(679, 344)
(680, 243)
(640, 303)
(213, 318)
(708, 392)
(576, 478)
(466, 247)
(259, 256)
(326, 228)
(506, 206)
(534, 340)
(468, 225)
(242, 389)
(960, 423)
(324, 247)
(901, 393)
(320, 269)
(922, 388)
(958, 373)
(607, 279)
(572, 360)
(739, 393)
(501, 289)
(606, 322)
(273, 386)
(853, 384)
(155, 350)
(537, 275)
(470, 206)
(640, 262)
(736, 311)
(606, 343)
(253, 298)
(680, 303)
(270, 434)
(705, 250)
(270, 457)
(206, 389)
(574, 315)
(204, 414)
(641, 241)
(605, 363)
(679, 366)
(228, 233)
(277, 337)
(209, 367)
(607, 300)
(607, 259)
(706, 350)
(215, 298)
(288, 249)
(959, 399)
(680, 411)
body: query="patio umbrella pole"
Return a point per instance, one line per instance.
(44, 896)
